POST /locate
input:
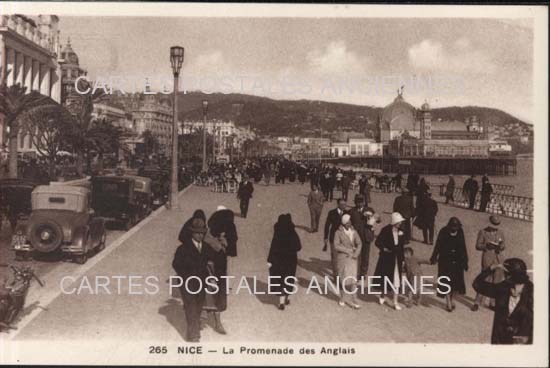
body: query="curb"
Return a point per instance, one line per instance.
(88, 266)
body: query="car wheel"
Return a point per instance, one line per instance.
(81, 258)
(102, 241)
(46, 236)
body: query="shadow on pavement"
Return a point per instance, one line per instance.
(262, 292)
(316, 265)
(305, 283)
(174, 314)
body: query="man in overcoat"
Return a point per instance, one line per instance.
(404, 204)
(190, 263)
(244, 194)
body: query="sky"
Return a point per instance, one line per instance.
(444, 61)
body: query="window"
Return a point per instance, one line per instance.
(56, 200)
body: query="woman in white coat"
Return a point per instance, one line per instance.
(347, 245)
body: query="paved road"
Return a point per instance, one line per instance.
(311, 317)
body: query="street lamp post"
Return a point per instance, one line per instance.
(204, 111)
(213, 141)
(176, 60)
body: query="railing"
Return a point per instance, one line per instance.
(497, 188)
(502, 204)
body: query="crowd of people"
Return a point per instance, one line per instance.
(348, 235)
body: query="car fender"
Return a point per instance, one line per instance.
(79, 237)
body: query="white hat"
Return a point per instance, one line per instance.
(345, 219)
(221, 207)
(396, 218)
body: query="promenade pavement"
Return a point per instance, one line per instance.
(310, 317)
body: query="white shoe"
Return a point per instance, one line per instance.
(398, 307)
(355, 306)
(341, 304)
(381, 301)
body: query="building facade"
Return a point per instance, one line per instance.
(28, 56)
(70, 70)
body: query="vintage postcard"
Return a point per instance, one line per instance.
(270, 184)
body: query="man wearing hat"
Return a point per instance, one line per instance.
(244, 193)
(513, 320)
(490, 241)
(404, 204)
(190, 263)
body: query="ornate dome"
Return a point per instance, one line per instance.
(68, 54)
(425, 106)
(399, 115)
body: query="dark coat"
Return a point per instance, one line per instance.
(332, 223)
(358, 222)
(245, 191)
(223, 221)
(452, 258)
(506, 325)
(389, 254)
(470, 186)
(404, 205)
(189, 262)
(283, 254)
(426, 211)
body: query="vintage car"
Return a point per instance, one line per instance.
(114, 198)
(61, 219)
(160, 183)
(15, 200)
(144, 195)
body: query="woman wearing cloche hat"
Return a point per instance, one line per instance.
(390, 242)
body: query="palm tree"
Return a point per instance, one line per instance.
(14, 101)
(81, 135)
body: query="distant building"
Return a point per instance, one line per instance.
(28, 56)
(70, 70)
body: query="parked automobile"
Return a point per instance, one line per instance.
(61, 219)
(114, 198)
(144, 195)
(160, 185)
(15, 200)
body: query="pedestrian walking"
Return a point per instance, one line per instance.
(244, 194)
(359, 223)
(450, 190)
(283, 258)
(345, 183)
(347, 247)
(470, 189)
(315, 202)
(513, 320)
(413, 271)
(491, 242)
(452, 259)
(185, 232)
(403, 204)
(191, 265)
(426, 212)
(389, 267)
(334, 218)
(486, 191)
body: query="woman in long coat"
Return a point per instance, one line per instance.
(452, 259)
(221, 227)
(283, 257)
(513, 320)
(450, 190)
(347, 245)
(390, 242)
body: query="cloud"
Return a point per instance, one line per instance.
(211, 63)
(336, 59)
(432, 56)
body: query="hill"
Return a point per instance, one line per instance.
(305, 117)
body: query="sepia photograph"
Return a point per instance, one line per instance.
(259, 184)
